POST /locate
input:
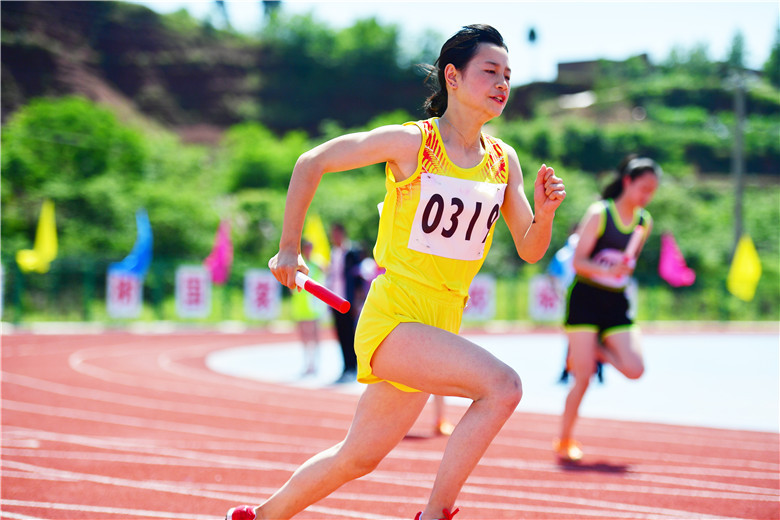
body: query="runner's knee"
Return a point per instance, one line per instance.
(634, 370)
(507, 388)
(356, 463)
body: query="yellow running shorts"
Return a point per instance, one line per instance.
(394, 300)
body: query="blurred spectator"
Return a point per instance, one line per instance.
(344, 279)
(307, 310)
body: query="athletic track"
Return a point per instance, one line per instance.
(122, 425)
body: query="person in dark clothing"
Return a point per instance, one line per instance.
(344, 279)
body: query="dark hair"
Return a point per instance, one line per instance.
(458, 50)
(632, 166)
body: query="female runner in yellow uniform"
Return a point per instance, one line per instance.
(447, 183)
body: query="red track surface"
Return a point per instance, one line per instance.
(123, 425)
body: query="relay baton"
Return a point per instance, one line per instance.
(321, 292)
(633, 242)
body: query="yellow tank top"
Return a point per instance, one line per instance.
(437, 226)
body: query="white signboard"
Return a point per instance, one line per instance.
(547, 301)
(262, 295)
(124, 293)
(482, 298)
(193, 291)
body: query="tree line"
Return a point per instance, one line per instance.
(99, 168)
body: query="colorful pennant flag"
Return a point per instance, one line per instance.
(45, 246)
(220, 259)
(139, 259)
(671, 264)
(314, 232)
(745, 270)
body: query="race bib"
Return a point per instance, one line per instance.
(455, 216)
(608, 258)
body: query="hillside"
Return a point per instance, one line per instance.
(189, 84)
(186, 76)
(189, 76)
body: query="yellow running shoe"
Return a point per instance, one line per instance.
(568, 450)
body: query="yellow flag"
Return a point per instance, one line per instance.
(745, 270)
(314, 232)
(45, 247)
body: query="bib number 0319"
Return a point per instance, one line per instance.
(434, 212)
(455, 216)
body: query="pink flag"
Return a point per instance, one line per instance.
(221, 257)
(671, 265)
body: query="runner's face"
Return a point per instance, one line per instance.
(642, 189)
(486, 78)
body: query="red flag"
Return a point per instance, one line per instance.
(671, 265)
(221, 258)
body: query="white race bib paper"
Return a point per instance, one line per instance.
(455, 216)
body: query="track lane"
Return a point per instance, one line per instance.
(125, 425)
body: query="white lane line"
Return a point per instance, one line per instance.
(295, 419)
(117, 398)
(666, 434)
(185, 459)
(517, 506)
(283, 375)
(646, 468)
(104, 510)
(16, 516)
(753, 496)
(157, 424)
(673, 435)
(399, 453)
(614, 505)
(660, 478)
(156, 446)
(76, 360)
(630, 400)
(439, 454)
(405, 481)
(167, 487)
(610, 511)
(676, 435)
(668, 441)
(224, 387)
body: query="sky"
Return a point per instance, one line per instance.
(566, 31)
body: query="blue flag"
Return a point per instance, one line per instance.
(139, 259)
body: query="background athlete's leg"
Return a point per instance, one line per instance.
(624, 352)
(582, 364)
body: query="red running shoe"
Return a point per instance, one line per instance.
(241, 513)
(446, 512)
